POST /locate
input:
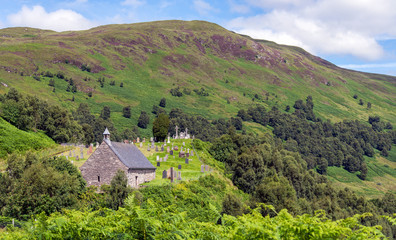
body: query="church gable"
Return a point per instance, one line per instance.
(102, 166)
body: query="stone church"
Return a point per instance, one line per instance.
(103, 164)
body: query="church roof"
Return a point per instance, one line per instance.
(130, 155)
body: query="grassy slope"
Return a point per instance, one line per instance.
(381, 176)
(152, 58)
(15, 140)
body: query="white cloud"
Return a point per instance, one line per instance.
(133, 3)
(203, 7)
(324, 26)
(59, 20)
(238, 8)
(365, 66)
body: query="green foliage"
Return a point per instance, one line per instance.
(126, 112)
(105, 114)
(162, 102)
(118, 190)
(160, 127)
(143, 120)
(176, 92)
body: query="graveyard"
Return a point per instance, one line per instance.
(179, 154)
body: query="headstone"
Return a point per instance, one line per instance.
(176, 148)
(160, 159)
(167, 149)
(70, 154)
(157, 158)
(179, 175)
(141, 145)
(162, 148)
(187, 161)
(164, 174)
(138, 139)
(171, 174)
(202, 168)
(156, 148)
(181, 154)
(184, 144)
(179, 167)
(77, 158)
(72, 161)
(187, 155)
(158, 164)
(144, 139)
(148, 149)
(206, 168)
(151, 139)
(82, 155)
(152, 144)
(67, 157)
(171, 152)
(168, 139)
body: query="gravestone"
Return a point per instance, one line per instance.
(171, 152)
(202, 168)
(70, 153)
(72, 161)
(176, 148)
(187, 155)
(144, 140)
(162, 148)
(156, 148)
(184, 144)
(152, 144)
(164, 174)
(67, 157)
(179, 175)
(171, 174)
(141, 145)
(168, 139)
(138, 139)
(158, 164)
(157, 158)
(148, 149)
(167, 149)
(181, 154)
(151, 139)
(187, 161)
(206, 168)
(77, 158)
(82, 155)
(179, 167)
(160, 159)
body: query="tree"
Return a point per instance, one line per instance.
(361, 102)
(51, 83)
(143, 120)
(160, 126)
(118, 190)
(105, 114)
(368, 105)
(162, 102)
(355, 96)
(287, 108)
(126, 112)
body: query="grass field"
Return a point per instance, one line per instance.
(381, 177)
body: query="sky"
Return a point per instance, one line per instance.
(355, 34)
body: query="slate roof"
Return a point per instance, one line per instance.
(130, 155)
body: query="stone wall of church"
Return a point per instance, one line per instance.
(137, 177)
(101, 166)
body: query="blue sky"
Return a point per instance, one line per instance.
(356, 34)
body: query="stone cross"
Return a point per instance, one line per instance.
(168, 139)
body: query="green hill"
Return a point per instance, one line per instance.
(14, 140)
(151, 59)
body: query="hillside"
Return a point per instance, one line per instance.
(150, 59)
